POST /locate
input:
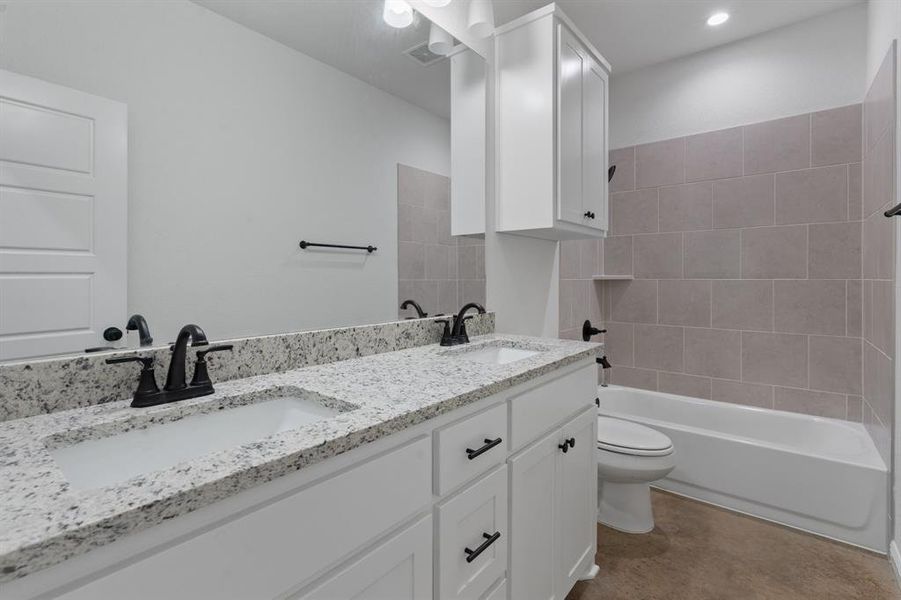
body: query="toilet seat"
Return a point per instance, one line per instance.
(625, 437)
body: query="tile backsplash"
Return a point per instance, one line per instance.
(744, 246)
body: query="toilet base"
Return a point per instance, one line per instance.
(625, 506)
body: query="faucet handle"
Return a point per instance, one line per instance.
(146, 384)
(201, 374)
(147, 361)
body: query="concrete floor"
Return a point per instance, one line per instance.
(700, 552)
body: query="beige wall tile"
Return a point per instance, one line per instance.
(834, 251)
(423, 292)
(448, 297)
(878, 107)
(570, 257)
(812, 196)
(684, 385)
(658, 347)
(618, 255)
(835, 135)
(743, 305)
(411, 260)
(878, 169)
(660, 163)
(624, 177)
(855, 306)
(855, 408)
(633, 212)
(882, 335)
(713, 155)
(743, 202)
(820, 404)
(473, 290)
(588, 258)
(737, 392)
(684, 302)
(878, 385)
(437, 260)
(644, 379)
(658, 256)
(780, 145)
(471, 262)
(633, 301)
(877, 247)
(835, 364)
(810, 306)
(774, 252)
(774, 358)
(686, 207)
(713, 352)
(713, 254)
(855, 192)
(619, 343)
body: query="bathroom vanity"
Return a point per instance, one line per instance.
(431, 472)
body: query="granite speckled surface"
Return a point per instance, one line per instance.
(43, 521)
(54, 384)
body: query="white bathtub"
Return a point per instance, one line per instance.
(820, 475)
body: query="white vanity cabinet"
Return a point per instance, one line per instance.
(552, 118)
(480, 503)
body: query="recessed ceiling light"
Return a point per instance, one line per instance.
(397, 13)
(717, 19)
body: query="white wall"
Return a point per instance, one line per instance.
(808, 66)
(239, 147)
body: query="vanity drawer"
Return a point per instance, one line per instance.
(538, 409)
(470, 447)
(276, 548)
(472, 538)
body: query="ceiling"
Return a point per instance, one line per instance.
(351, 36)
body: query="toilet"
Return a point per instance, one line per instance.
(630, 457)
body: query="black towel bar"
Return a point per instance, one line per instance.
(894, 211)
(305, 244)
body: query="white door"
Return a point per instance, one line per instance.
(399, 569)
(534, 570)
(570, 65)
(63, 225)
(577, 500)
(594, 143)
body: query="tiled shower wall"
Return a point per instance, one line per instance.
(878, 255)
(438, 270)
(745, 249)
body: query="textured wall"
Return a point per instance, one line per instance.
(745, 249)
(879, 255)
(440, 271)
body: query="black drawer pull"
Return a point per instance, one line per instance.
(571, 442)
(489, 444)
(564, 446)
(489, 539)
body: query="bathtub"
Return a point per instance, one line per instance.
(820, 475)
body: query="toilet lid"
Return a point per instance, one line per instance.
(625, 437)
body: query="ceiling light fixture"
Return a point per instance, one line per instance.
(440, 41)
(397, 13)
(480, 21)
(717, 19)
(437, 3)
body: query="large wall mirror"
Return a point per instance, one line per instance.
(167, 159)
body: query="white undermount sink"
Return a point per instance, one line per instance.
(109, 460)
(498, 355)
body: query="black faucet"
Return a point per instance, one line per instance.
(148, 394)
(421, 314)
(139, 323)
(588, 330)
(456, 334)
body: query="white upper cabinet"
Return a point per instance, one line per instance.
(552, 92)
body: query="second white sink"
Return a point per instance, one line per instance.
(498, 355)
(109, 460)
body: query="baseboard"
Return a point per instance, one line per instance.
(895, 558)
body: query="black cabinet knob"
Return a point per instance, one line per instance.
(564, 447)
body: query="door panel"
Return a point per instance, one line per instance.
(533, 565)
(594, 144)
(63, 196)
(570, 65)
(399, 569)
(577, 500)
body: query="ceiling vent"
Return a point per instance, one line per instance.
(423, 56)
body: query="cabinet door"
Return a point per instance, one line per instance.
(398, 569)
(594, 143)
(576, 506)
(534, 574)
(570, 66)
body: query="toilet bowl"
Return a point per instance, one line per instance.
(630, 457)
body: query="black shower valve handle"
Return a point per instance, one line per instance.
(201, 354)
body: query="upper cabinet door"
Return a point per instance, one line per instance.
(63, 199)
(594, 143)
(571, 63)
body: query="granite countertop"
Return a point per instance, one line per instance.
(44, 521)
